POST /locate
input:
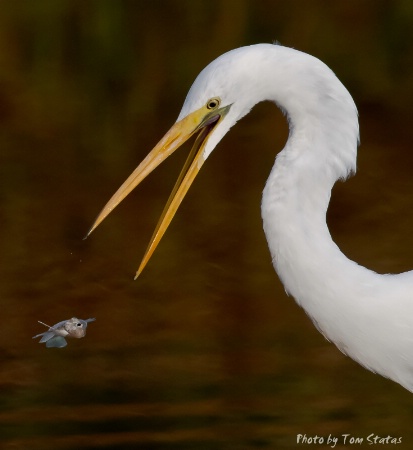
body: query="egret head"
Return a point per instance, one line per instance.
(225, 90)
(209, 111)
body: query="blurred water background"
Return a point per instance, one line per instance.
(205, 350)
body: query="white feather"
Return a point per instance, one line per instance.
(368, 316)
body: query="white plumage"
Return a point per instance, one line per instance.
(367, 315)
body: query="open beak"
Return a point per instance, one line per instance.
(201, 121)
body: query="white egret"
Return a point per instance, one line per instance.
(368, 316)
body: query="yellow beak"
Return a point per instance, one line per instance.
(203, 121)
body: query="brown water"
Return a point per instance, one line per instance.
(205, 350)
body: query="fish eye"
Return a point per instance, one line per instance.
(213, 103)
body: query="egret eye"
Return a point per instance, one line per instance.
(213, 103)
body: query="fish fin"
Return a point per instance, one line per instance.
(47, 335)
(38, 335)
(56, 342)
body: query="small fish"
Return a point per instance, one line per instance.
(55, 335)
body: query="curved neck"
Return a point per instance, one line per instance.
(321, 148)
(294, 207)
(367, 315)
